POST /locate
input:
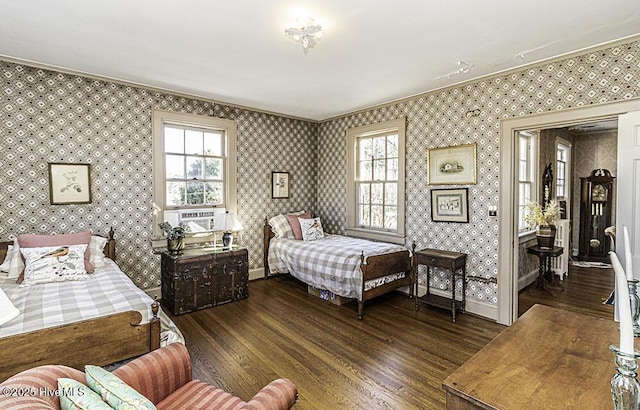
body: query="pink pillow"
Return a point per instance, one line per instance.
(39, 241)
(295, 224)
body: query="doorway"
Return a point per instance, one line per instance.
(507, 309)
(567, 156)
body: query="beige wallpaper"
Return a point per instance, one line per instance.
(47, 116)
(444, 118)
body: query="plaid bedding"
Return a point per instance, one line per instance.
(106, 292)
(331, 263)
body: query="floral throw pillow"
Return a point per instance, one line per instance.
(53, 264)
(114, 391)
(311, 229)
(76, 396)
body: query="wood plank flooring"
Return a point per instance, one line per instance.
(585, 290)
(395, 358)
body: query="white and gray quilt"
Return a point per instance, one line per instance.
(107, 291)
(331, 263)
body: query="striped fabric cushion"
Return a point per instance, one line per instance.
(200, 395)
(279, 394)
(33, 380)
(159, 373)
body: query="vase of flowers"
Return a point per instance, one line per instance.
(175, 236)
(543, 219)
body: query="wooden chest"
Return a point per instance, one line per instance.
(201, 278)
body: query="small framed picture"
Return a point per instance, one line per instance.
(452, 165)
(69, 183)
(279, 184)
(450, 205)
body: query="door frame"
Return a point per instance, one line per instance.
(507, 309)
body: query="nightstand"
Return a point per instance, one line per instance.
(455, 263)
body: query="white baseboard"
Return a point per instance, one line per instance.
(527, 279)
(154, 292)
(482, 309)
(256, 274)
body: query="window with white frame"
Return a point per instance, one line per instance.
(527, 165)
(375, 181)
(194, 164)
(563, 167)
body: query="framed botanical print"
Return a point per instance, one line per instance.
(69, 183)
(452, 165)
(279, 185)
(450, 205)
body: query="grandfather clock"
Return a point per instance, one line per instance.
(596, 201)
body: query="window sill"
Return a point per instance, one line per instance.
(526, 236)
(390, 237)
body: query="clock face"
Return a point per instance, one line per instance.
(598, 193)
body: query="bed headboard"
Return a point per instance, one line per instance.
(109, 248)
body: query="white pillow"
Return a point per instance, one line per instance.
(280, 225)
(4, 267)
(96, 251)
(311, 229)
(16, 265)
(7, 310)
(54, 264)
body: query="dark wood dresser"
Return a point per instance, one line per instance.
(201, 278)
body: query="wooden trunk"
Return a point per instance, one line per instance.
(199, 278)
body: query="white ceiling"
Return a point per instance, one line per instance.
(372, 52)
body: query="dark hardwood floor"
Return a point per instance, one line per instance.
(585, 290)
(395, 358)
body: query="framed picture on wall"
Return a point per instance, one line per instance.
(452, 165)
(450, 205)
(69, 183)
(279, 185)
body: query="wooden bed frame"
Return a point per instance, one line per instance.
(372, 267)
(100, 341)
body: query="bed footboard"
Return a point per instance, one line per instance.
(99, 341)
(380, 266)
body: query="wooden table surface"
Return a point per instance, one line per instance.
(548, 358)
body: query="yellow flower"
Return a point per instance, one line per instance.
(538, 215)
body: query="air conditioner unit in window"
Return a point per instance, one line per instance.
(198, 220)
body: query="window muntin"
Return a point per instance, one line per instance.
(194, 166)
(375, 181)
(562, 160)
(526, 176)
(187, 146)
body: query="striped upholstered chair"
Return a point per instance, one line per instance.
(163, 376)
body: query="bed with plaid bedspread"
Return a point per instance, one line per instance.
(107, 291)
(332, 263)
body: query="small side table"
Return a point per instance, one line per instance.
(455, 263)
(544, 269)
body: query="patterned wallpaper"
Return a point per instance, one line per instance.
(47, 116)
(442, 118)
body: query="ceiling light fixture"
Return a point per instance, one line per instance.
(463, 69)
(306, 32)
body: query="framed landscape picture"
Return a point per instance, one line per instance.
(450, 205)
(452, 165)
(69, 183)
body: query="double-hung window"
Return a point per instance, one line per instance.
(527, 165)
(563, 182)
(194, 160)
(375, 190)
